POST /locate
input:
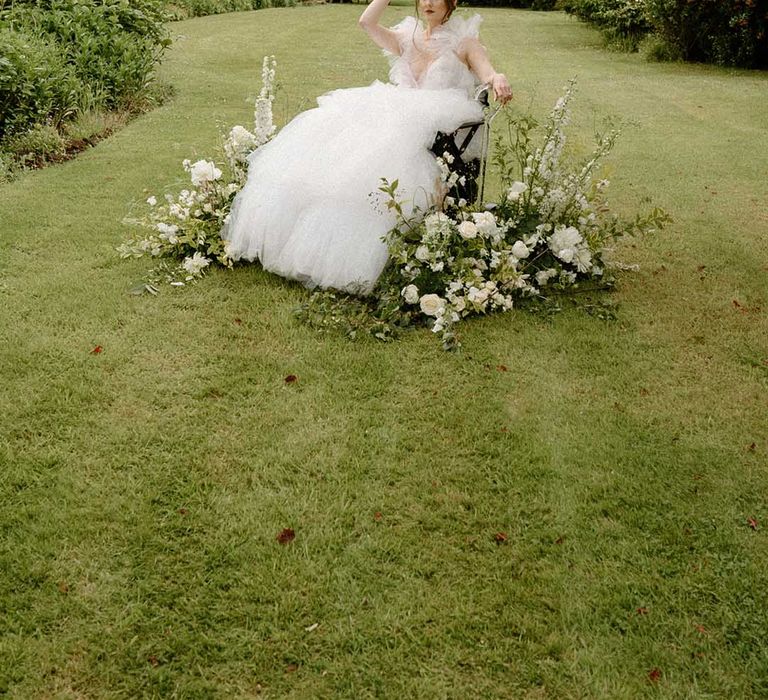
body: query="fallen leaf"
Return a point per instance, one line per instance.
(63, 587)
(153, 661)
(286, 535)
(644, 392)
(701, 629)
(654, 675)
(752, 523)
(501, 368)
(183, 511)
(238, 321)
(500, 537)
(291, 379)
(752, 447)
(97, 350)
(642, 611)
(290, 668)
(560, 539)
(377, 516)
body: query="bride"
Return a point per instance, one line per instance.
(309, 209)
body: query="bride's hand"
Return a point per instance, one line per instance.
(501, 90)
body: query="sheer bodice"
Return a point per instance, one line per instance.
(433, 64)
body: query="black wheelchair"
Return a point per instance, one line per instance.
(470, 157)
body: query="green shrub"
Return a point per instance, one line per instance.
(623, 22)
(726, 32)
(36, 81)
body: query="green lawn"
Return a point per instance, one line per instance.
(142, 488)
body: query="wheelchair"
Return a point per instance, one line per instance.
(470, 156)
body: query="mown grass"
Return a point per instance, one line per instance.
(143, 487)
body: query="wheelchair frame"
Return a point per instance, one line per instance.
(456, 144)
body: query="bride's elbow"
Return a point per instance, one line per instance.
(364, 24)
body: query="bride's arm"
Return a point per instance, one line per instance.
(381, 36)
(476, 57)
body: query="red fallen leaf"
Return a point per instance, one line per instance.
(654, 675)
(377, 516)
(642, 611)
(286, 535)
(752, 523)
(183, 511)
(97, 350)
(238, 321)
(290, 668)
(738, 307)
(701, 629)
(500, 537)
(501, 368)
(291, 379)
(153, 661)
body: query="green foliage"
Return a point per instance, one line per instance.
(725, 32)
(730, 33)
(58, 57)
(623, 22)
(183, 9)
(525, 4)
(40, 144)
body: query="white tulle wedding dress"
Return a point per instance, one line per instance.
(309, 209)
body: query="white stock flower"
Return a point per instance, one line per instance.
(432, 304)
(202, 172)
(514, 192)
(422, 253)
(152, 201)
(195, 264)
(168, 232)
(520, 250)
(467, 229)
(411, 294)
(543, 276)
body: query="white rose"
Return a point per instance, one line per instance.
(514, 192)
(152, 201)
(202, 172)
(411, 294)
(422, 253)
(431, 304)
(195, 264)
(468, 230)
(520, 250)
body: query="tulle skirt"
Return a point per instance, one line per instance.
(310, 209)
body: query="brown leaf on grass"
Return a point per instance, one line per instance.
(752, 522)
(377, 516)
(238, 321)
(752, 447)
(183, 511)
(642, 611)
(153, 661)
(97, 350)
(500, 537)
(286, 535)
(501, 368)
(63, 587)
(291, 379)
(644, 392)
(701, 629)
(560, 539)
(654, 675)
(290, 668)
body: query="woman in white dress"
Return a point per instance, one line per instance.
(309, 209)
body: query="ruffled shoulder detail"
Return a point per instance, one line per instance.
(464, 27)
(405, 30)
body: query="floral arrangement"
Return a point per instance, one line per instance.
(186, 227)
(549, 235)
